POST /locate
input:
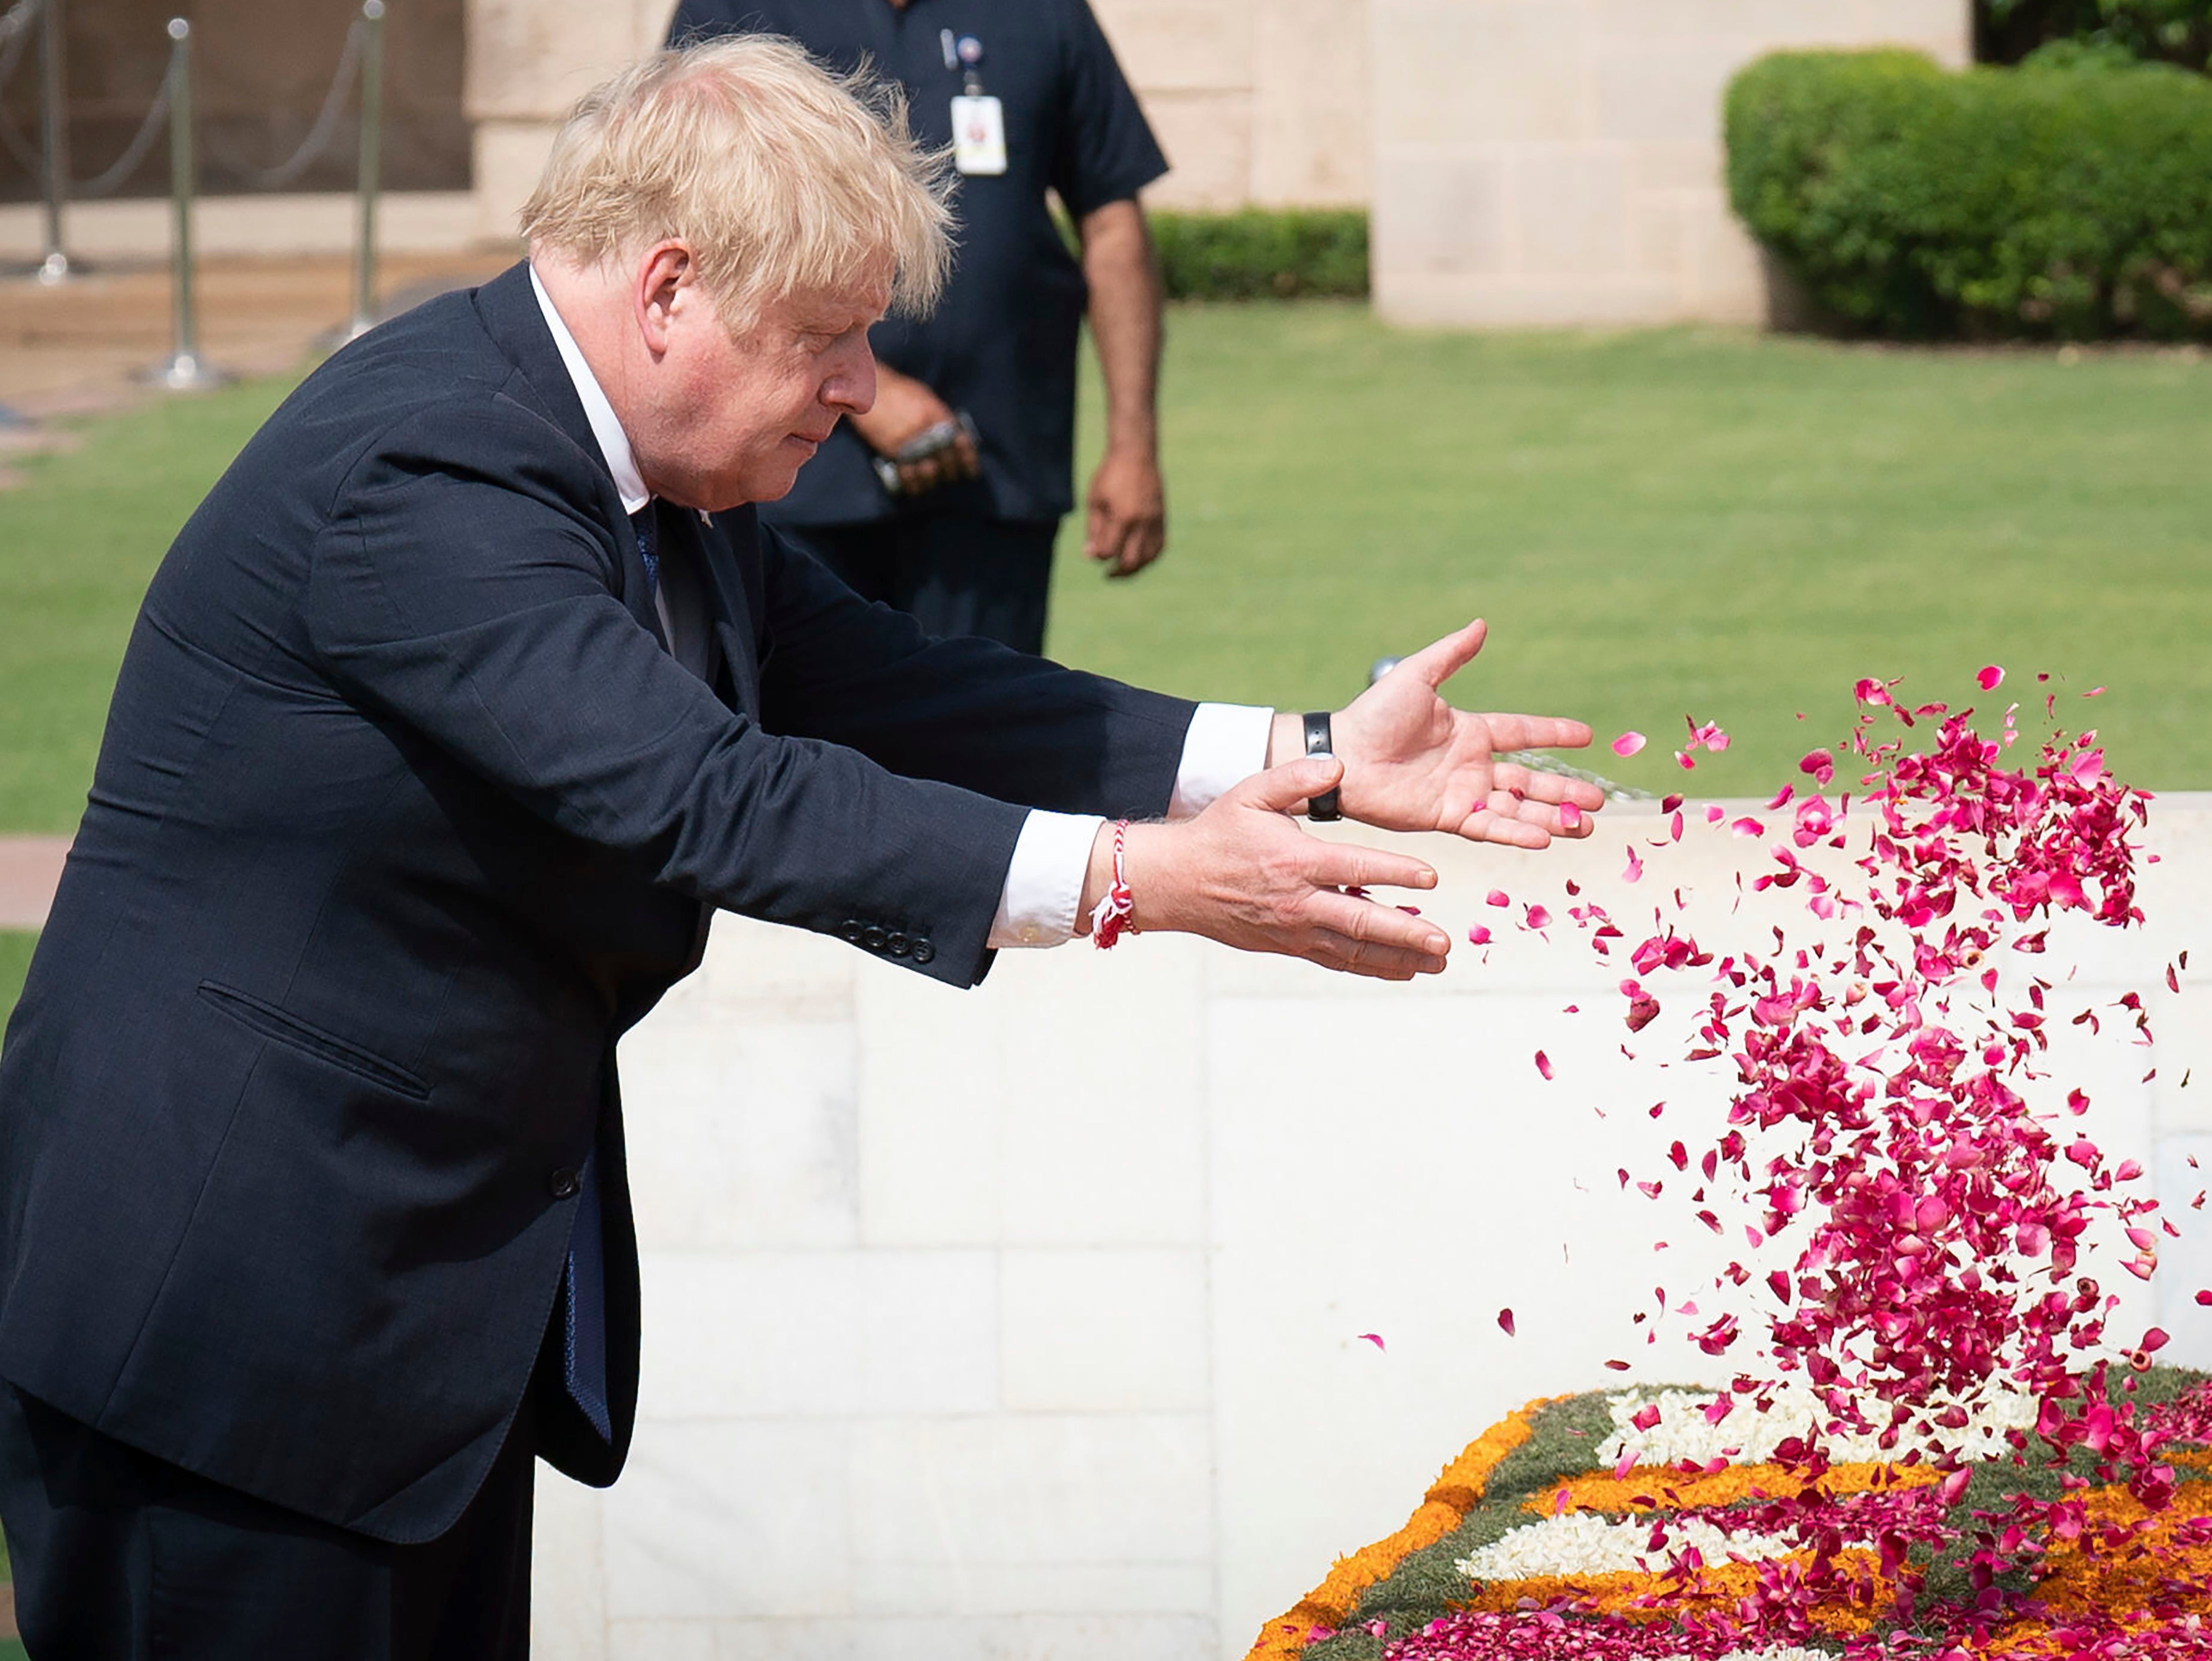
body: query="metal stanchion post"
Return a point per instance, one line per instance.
(369, 178)
(53, 139)
(184, 370)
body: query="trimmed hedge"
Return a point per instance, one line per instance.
(2070, 197)
(1262, 254)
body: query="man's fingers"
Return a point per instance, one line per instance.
(1536, 733)
(1281, 788)
(1538, 786)
(1372, 922)
(1347, 865)
(1437, 663)
(1356, 956)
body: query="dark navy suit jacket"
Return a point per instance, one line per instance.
(403, 816)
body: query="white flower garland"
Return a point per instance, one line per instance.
(1748, 1437)
(1589, 1542)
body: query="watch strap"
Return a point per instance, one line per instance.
(1323, 807)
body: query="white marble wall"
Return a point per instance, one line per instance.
(1024, 1323)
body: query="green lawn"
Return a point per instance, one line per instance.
(1669, 522)
(77, 545)
(14, 959)
(1655, 524)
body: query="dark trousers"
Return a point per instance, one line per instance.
(118, 1556)
(958, 573)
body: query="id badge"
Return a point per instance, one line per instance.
(979, 135)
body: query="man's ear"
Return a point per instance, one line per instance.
(666, 269)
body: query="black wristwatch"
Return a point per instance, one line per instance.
(1323, 807)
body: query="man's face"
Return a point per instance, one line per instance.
(739, 415)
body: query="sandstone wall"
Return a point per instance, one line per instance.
(1559, 161)
(1254, 102)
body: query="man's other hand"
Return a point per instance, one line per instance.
(1413, 762)
(1243, 874)
(1128, 526)
(904, 408)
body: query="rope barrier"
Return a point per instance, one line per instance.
(109, 181)
(320, 135)
(16, 32)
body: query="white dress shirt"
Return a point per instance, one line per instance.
(1226, 742)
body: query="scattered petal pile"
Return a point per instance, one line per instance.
(1896, 1133)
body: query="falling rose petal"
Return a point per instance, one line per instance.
(1570, 817)
(1634, 870)
(1645, 1417)
(1505, 1321)
(1618, 1366)
(1376, 1339)
(1498, 897)
(1538, 917)
(1544, 1065)
(1627, 1462)
(1682, 760)
(1478, 935)
(1714, 812)
(2155, 1340)
(2205, 1298)
(1628, 744)
(1989, 677)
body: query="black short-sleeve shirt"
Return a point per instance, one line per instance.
(1002, 343)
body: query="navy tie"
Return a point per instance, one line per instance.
(641, 522)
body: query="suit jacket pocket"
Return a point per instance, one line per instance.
(279, 1026)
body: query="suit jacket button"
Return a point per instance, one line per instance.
(924, 951)
(563, 1183)
(874, 939)
(897, 945)
(852, 931)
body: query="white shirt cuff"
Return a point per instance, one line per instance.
(1044, 880)
(1227, 743)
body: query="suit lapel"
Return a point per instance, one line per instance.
(727, 558)
(507, 306)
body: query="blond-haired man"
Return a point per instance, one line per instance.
(466, 696)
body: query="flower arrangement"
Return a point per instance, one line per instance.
(1936, 1447)
(1559, 1554)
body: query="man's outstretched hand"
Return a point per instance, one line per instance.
(1413, 762)
(1243, 874)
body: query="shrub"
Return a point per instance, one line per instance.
(2071, 197)
(1262, 254)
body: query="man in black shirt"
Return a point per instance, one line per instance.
(1028, 94)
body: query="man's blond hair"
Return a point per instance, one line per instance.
(780, 176)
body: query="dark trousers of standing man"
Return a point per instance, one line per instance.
(958, 573)
(118, 1556)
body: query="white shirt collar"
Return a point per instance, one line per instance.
(614, 443)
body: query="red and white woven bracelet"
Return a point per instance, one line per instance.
(1110, 919)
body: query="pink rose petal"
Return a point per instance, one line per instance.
(1628, 744)
(1505, 1321)
(1376, 1339)
(1989, 677)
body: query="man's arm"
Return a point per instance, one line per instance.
(1127, 521)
